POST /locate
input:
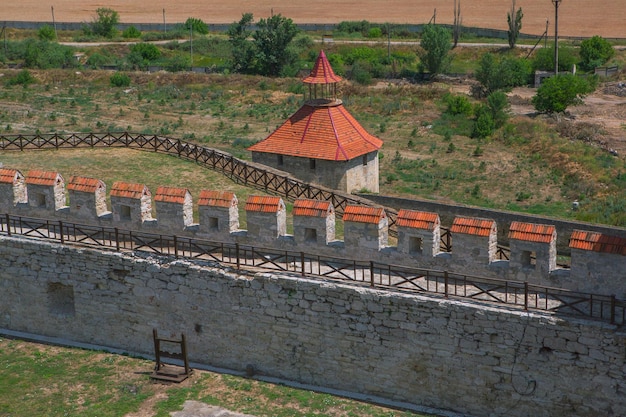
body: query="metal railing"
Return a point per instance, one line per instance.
(362, 272)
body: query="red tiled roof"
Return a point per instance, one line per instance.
(417, 219)
(8, 175)
(129, 190)
(311, 208)
(531, 232)
(326, 132)
(264, 204)
(322, 72)
(217, 198)
(597, 242)
(84, 184)
(472, 226)
(363, 214)
(171, 195)
(36, 177)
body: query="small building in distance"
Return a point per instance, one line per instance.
(322, 143)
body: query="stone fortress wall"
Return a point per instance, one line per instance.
(427, 351)
(598, 261)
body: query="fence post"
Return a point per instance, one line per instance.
(237, 255)
(613, 309)
(117, 240)
(371, 273)
(445, 283)
(61, 231)
(302, 262)
(175, 247)
(526, 295)
(8, 224)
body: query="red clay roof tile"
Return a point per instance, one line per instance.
(84, 184)
(473, 226)
(9, 176)
(322, 72)
(50, 178)
(363, 214)
(171, 195)
(217, 198)
(312, 208)
(417, 219)
(326, 132)
(264, 204)
(129, 190)
(597, 242)
(531, 232)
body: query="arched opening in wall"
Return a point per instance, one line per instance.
(124, 212)
(529, 259)
(416, 245)
(61, 299)
(310, 235)
(39, 200)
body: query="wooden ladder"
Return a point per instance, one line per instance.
(169, 372)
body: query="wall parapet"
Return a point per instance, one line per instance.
(365, 233)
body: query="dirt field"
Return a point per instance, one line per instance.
(576, 17)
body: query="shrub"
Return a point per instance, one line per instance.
(46, 33)
(544, 59)
(24, 78)
(131, 33)
(558, 93)
(360, 73)
(362, 27)
(97, 60)
(458, 104)
(434, 50)
(196, 25)
(120, 80)
(595, 51)
(496, 74)
(148, 51)
(484, 125)
(498, 104)
(375, 33)
(105, 22)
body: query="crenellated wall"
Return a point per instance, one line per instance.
(593, 268)
(465, 357)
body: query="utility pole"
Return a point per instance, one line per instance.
(556, 35)
(54, 23)
(164, 27)
(191, 43)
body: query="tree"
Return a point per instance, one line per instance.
(196, 25)
(484, 125)
(500, 74)
(498, 104)
(544, 59)
(595, 51)
(558, 93)
(272, 40)
(46, 33)
(434, 49)
(514, 19)
(105, 22)
(243, 54)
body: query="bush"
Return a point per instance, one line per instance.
(131, 33)
(558, 93)
(105, 22)
(484, 125)
(501, 74)
(595, 51)
(362, 27)
(498, 104)
(434, 50)
(148, 51)
(120, 80)
(97, 60)
(544, 59)
(375, 33)
(24, 78)
(360, 73)
(196, 25)
(458, 104)
(46, 33)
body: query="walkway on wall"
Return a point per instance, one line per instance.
(511, 294)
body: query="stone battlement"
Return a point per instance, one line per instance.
(598, 261)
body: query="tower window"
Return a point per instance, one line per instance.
(312, 163)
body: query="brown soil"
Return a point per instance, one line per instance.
(576, 17)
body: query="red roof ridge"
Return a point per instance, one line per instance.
(264, 204)
(363, 214)
(84, 184)
(38, 177)
(171, 194)
(214, 198)
(9, 175)
(312, 208)
(417, 219)
(322, 72)
(339, 146)
(473, 226)
(597, 242)
(532, 232)
(129, 190)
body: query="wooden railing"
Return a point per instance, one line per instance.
(362, 272)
